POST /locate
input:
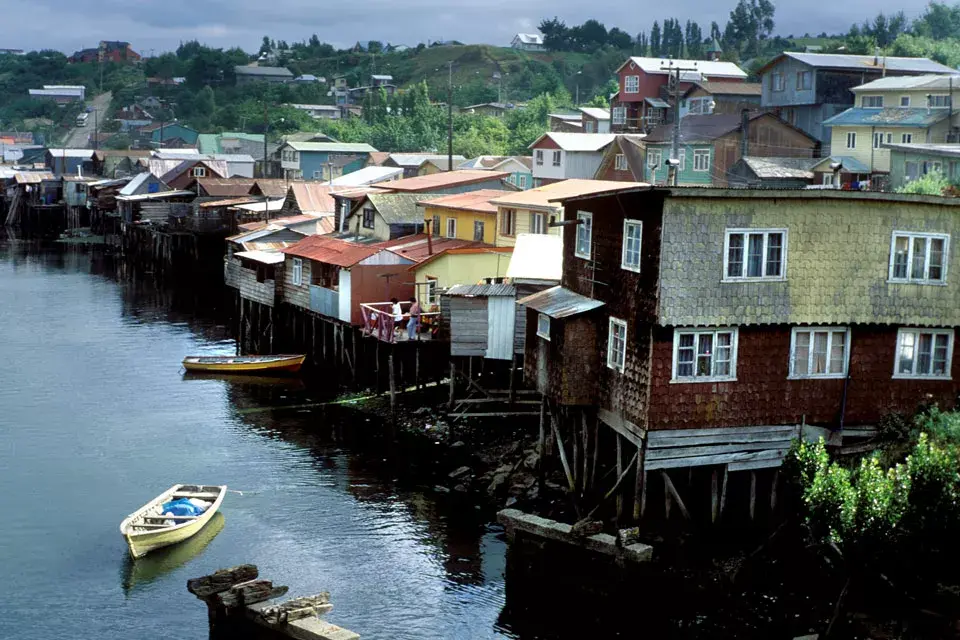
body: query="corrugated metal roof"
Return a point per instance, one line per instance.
(486, 290)
(273, 187)
(270, 205)
(702, 128)
(930, 148)
(331, 251)
(913, 83)
(313, 197)
(418, 249)
(443, 180)
(859, 63)
(71, 153)
(331, 147)
(470, 201)
(707, 68)
(558, 302)
(850, 164)
(577, 141)
(413, 160)
(156, 196)
(890, 117)
(596, 112)
(397, 208)
(225, 187)
(770, 167)
(367, 175)
(249, 70)
(545, 197)
(265, 257)
(537, 256)
(228, 202)
(32, 177)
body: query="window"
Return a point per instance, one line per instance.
(871, 102)
(620, 163)
(776, 81)
(538, 223)
(920, 258)
(701, 160)
(877, 140)
(435, 226)
(924, 353)
(318, 174)
(682, 158)
(522, 182)
(851, 140)
(508, 222)
(543, 326)
(431, 292)
(632, 232)
(904, 101)
(821, 352)
(478, 231)
(198, 172)
(700, 105)
(617, 345)
(588, 126)
(938, 101)
(584, 235)
(556, 158)
(369, 216)
(755, 254)
(619, 115)
(654, 158)
(539, 155)
(889, 138)
(297, 275)
(804, 80)
(704, 356)
(912, 170)
(451, 227)
(631, 84)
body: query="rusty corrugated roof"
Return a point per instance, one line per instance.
(226, 187)
(443, 180)
(470, 201)
(558, 302)
(331, 251)
(273, 187)
(32, 177)
(313, 197)
(418, 249)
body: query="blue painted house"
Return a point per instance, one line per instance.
(171, 131)
(316, 160)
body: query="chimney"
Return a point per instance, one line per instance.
(429, 225)
(744, 133)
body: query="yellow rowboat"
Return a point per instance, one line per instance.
(147, 529)
(244, 364)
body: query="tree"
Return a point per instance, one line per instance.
(619, 39)
(265, 46)
(643, 44)
(655, 42)
(375, 46)
(715, 33)
(556, 35)
(590, 36)
(939, 21)
(694, 38)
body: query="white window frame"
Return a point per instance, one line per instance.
(631, 84)
(538, 223)
(698, 155)
(557, 157)
(804, 75)
(682, 158)
(654, 153)
(906, 138)
(904, 101)
(522, 181)
(619, 115)
(508, 222)
(925, 280)
(872, 99)
(939, 101)
(627, 225)
(430, 291)
(620, 163)
(917, 331)
(734, 341)
(453, 227)
(877, 139)
(588, 126)
(543, 326)
(851, 139)
(586, 222)
(318, 174)
(538, 154)
(766, 239)
(296, 274)
(616, 324)
(198, 172)
(478, 225)
(830, 331)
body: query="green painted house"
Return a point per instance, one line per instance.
(909, 162)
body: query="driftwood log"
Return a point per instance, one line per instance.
(584, 528)
(222, 580)
(248, 593)
(297, 608)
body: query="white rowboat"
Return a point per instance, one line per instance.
(147, 528)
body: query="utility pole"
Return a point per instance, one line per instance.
(96, 129)
(675, 69)
(450, 116)
(265, 127)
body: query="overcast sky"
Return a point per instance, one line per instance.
(159, 25)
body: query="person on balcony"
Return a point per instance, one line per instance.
(414, 324)
(397, 314)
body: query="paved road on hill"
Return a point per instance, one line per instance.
(77, 138)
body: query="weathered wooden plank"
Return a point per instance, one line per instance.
(769, 463)
(691, 452)
(721, 431)
(627, 429)
(660, 443)
(498, 413)
(672, 490)
(249, 593)
(775, 456)
(487, 400)
(221, 580)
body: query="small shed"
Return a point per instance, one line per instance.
(482, 320)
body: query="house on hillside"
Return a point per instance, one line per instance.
(773, 173)
(319, 111)
(894, 110)
(111, 163)
(459, 181)
(528, 42)
(321, 160)
(807, 89)
(107, 51)
(311, 198)
(132, 117)
(184, 172)
(711, 145)
(624, 160)
(386, 216)
(595, 120)
(275, 75)
(410, 162)
(60, 93)
(492, 109)
(705, 98)
(465, 216)
(644, 99)
(164, 133)
(438, 165)
(560, 156)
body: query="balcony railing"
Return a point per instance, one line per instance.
(378, 321)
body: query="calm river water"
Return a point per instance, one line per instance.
(96, 418)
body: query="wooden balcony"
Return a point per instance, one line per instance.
(379, 323)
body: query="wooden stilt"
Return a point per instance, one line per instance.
(596, 450)
(393, 383)
(643, 495)
(453, 384)
(323, 338)
(353, 352)
(723, 490)
(512, 395)
(313, 340)
(667, 498)
(773, 489)
(619, 473)
(542, 442)
(753, 494)
(639, 486)
(240, 341)
(672, 490)
(416, 366)
(575, 448)
(470, 367)
(584, 476)
(563, 453)
(714, 497)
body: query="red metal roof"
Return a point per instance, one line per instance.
(313, 197)
(443, 180)
(469, 201)
(417, 248)
(332, 251)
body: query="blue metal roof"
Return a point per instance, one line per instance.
(891, 117)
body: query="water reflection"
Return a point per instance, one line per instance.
(137, 574)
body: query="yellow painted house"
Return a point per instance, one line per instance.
(465, 216)
(465, 265)
(894, 110)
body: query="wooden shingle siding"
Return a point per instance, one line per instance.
(245, 281)
(297, 295)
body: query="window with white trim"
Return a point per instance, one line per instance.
(583, 248)
(432, 296)
(631, 84)
(617, 344)
(318, 174)
(851, 140)
(701, 160)
(478, 231)
(682, 158)
(522, 181)
(819, 352)
(804, 80)
(632, 233)
(871, 102)
(877, 140)
(619, 115)
(906, 138)
(654, 158)
(942, 100)
(539, 156)
(538, 223)
(704, 356)
(919, 258)
(508, 222)
(556, 158)
(924, 354)
(588, 126)
(296, 275)
(435, 226)
(543, 326)
(755, 254)
(620, 163)
(198, 172)
(451, 227)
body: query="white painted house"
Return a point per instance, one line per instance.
(561, 156)
(528, 42)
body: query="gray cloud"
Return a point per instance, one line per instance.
(159, 25)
